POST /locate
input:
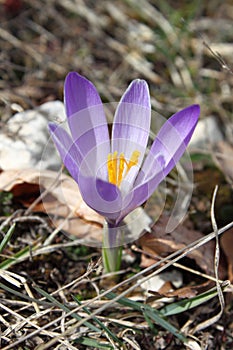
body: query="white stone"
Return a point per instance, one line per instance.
(25, 141)
(157, 282)
(206, 134)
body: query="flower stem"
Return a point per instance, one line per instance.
(112, 247)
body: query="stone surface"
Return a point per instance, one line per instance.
(206, 134)
(25, 141)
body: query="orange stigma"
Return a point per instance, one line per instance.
(118, 167)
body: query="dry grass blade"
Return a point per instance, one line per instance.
(25, 321)
(215, 318)
(219, 57)
(172, 258)
(179, 266)
(5, 35)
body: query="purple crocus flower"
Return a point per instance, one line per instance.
(114, 174)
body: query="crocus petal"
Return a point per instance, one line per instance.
(104, 197)
(86, 115)
(94, 164)
(139, 194)
(131, 124)
(79, 94)
(171, 141)
(67, 149)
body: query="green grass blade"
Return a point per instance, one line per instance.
(126, 302)
(24, 296)
(148, 311)
(66, 309)
(22, 254)
(187, 304)
(150, 323)
(88, 342)
(112, 335)
(7, 237)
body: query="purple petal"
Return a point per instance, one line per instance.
(142, 192)
(131, 124)
(86, 116)
(171, 141)
(104, 197)
(79, 93)
(68, 151)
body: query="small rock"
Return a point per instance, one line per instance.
(25, 141)
(206, 134)
(157, 282)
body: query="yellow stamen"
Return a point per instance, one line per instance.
(112, 168)
(114, 163)
(118, 167)
(133, 160)
(122, 163)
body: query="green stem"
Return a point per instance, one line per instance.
(112, 247)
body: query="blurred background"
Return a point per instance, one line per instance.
(184, 51)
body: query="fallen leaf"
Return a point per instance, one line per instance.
(59, 197)
(159, 243)
(31, 182)
(182, 293)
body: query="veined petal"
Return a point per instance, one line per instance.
(131, 124)
(139, 194)
(104, 197)
(171, 141)
(86, 115)
(67, 149)
(79, 94)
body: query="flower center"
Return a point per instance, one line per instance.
(118, 167)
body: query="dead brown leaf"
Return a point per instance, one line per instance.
(59, 197)
(159, 243)
(182, 293)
